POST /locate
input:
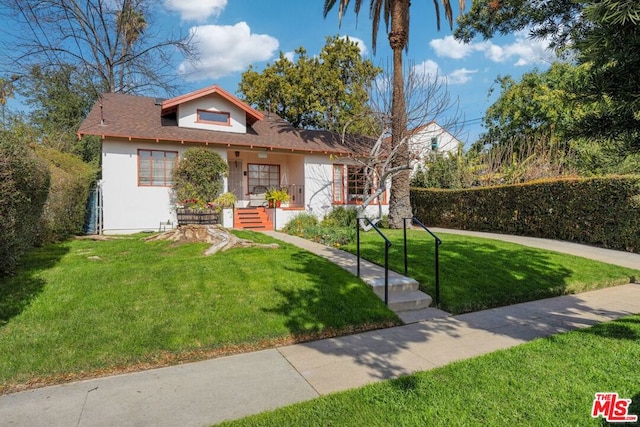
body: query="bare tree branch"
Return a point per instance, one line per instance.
(112, 41)
(427, 100)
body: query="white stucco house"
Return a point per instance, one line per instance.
(143, 138)
(431, 140)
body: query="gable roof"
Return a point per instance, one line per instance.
(117, 115)
(170, 105)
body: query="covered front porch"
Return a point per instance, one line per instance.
(252, 173)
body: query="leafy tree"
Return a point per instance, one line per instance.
(395, 14)
(324, 92)
(558, 20)
(602, 35)
(7, 89)
(538, 107)
(445, 172)
(199, 175)
(108, 41)
(611, 46)
(60, 98)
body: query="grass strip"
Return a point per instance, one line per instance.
(548, 382)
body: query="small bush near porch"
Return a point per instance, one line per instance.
(86, 308)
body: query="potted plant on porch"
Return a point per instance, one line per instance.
(276, 197)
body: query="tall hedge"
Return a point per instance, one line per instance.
(24, 185)
(65, 209)
(598, 211)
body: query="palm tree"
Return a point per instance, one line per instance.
(131, 23)
(395, 12)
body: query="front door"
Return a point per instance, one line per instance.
(236, 179)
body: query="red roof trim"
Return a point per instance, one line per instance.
(182, 141)
(252, 114)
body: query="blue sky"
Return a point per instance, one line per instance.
(234, 34)
(231, 35)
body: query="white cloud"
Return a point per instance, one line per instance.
(460, 76)
(196, 10)
(428, 68)
(449, 47)
(361, 45)
(432, 70)
(225, 49)
(291, 55)
(523, 51)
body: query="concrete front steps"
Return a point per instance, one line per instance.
(254, 218)
(404, 294)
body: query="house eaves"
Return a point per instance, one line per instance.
(135, 118)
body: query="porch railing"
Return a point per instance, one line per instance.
(296, 194)
(387, 245)
(437, 242)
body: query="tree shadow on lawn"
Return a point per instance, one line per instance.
(17, 291)
(331, 303)
(351, 361)
(488, 276)
(477, 276)
(354, 360)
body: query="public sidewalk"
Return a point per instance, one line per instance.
(207, 392)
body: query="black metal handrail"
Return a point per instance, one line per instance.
(438, 242)
(387, 245)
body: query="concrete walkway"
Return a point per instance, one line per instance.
(624, 259)
(231, 387)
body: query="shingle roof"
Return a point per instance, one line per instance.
(138, 117)
(252, 115)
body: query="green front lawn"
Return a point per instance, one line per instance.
(548, 382)
(476, 273)
(81, 307)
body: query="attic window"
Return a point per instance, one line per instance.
(213, 117)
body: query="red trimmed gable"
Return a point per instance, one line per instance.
(253, 115)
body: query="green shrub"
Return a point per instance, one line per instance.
(340, 216)
(199, 175)
(24, 185)
(301, 222)
(65, 209)
(338, 236)
(306, 225)
(226, 200)
(596, 211)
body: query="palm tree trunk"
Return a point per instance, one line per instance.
(399, 202)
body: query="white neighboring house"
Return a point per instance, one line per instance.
(143, 138)
(429, 140)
